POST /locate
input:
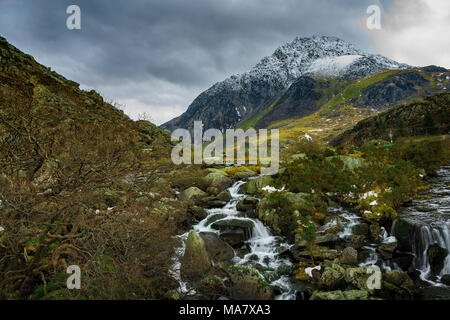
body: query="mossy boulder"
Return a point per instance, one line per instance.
(349, 256)
(217, 179)
(333, 277)
(249, 284)
(436, 257)
(217, 249)
(193, 193)
(254, 186)
(195, 262)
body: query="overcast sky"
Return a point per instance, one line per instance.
(156, 56)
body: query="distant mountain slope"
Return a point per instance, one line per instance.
(242, 97)
(374, 93)
(428, 116)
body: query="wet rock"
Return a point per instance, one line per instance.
(445, 279)
(233, 223)
(387, 249)
(404, 261)
(198, 212)
(217, 201)
(249, 284)
(218, 250)
(213, 218)
(403, 232)
(436, 257)
(349, 256)
(234, 237)
(397, 285)
(247, 205)
(195, 262)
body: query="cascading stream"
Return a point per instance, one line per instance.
(264, 248)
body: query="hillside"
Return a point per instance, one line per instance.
(421, 117)
(82, 184)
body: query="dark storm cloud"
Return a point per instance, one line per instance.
(156, 56)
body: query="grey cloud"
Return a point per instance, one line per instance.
(158, 55)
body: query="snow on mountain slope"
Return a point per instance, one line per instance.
(332, 66)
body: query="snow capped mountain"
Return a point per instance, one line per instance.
(238, 97)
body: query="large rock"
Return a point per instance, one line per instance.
(247, 205)
(249, 284)
(254, 186)
(218, 179)
(216, 201)
(234, 238)
(283, 222)
(193, 193)
(387, 249)
(358, 277)
(436, 257)
(217, 249)
(445, 279)
(349, 256)
(397, 285)
(333, 278)
(195, 262)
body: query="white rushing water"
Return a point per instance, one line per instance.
(264, 248)
(430, 220)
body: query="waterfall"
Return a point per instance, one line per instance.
(424, 237)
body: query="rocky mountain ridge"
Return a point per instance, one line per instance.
(241, 97)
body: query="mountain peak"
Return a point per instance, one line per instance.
(236, 98)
